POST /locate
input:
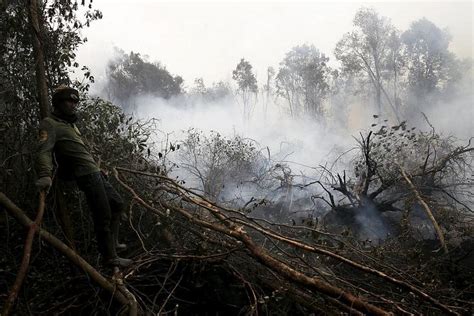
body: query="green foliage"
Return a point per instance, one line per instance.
(19, 110)
(216, 161)
(403, 73)
(303, 80)
(60, 35)
(244, 76)
(247, 86)
(430, 64)
(368, 53)
(131, 75)
(63, 37)
(113, 136)
(213, 93)
(366, 48)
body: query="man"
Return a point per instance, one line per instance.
(59, 135)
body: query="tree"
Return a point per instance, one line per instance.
(369, 51)
(430, 64)
(268, 89)
(59, 27)
(396, 66)
(199, 86)
(342, 94)
(247, 86)
(40, 72)
(131, 75)
(217, 162)
(302, 80)
(216, 92)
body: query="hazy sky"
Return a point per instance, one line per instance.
(207, 39)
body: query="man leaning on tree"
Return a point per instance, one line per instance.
(60, 137)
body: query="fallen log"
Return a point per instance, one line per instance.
(25, 262)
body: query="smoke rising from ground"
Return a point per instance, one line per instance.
(303, 144)
(454, 115)
(302, 141)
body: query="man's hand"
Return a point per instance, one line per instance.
(44, 183)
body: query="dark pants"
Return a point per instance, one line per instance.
(106, 206)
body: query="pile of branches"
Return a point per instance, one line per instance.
(397, 175)
(199, 256)
(318, 270)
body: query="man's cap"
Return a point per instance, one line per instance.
(63, 93)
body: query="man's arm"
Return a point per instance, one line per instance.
(44, 154)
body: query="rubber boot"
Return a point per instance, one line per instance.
(119, 262)
(110, 253)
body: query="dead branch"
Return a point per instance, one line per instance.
(427, 210)
(73, 256)
(229, 227)
(264, 257)
(169, 295)
(369, 163)
(26, 255)
(344, 190)
(285, 270)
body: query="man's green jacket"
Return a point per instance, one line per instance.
(62, 138)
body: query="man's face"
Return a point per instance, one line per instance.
(68, 107)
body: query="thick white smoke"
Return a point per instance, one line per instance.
(298, 141)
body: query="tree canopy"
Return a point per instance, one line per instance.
(303, 80)
(247, 86)
(431, 66)
(130, 75)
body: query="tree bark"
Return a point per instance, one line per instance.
(25, 262)
(40, 69)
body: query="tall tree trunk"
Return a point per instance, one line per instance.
(36, 23)
(378, 81)
(378, 99)
(41, 84)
